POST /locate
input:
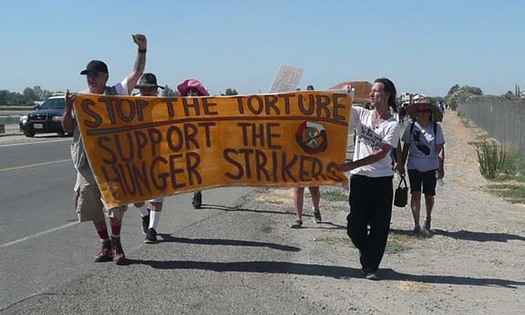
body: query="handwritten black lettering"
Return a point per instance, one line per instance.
(104, 143)
(170, 106)
(274, 166)
(138, 178)
(338, 106)
(259, 135)
(97, 119)
(123, 110)
(306, 104)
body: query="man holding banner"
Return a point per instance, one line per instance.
(371, 190)
(88, 202)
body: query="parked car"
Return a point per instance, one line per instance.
(46, 118)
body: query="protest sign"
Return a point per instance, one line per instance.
(287, 79)
(145, 147)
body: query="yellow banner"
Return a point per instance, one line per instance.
(145, 147)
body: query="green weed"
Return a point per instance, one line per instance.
(491, 158)
(513, 192)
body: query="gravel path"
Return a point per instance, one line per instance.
(473, 264)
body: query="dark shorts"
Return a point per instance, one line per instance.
(428, 179)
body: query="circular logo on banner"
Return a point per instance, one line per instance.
(311, 137)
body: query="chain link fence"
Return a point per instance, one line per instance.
(504, 120)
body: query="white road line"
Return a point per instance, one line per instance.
(31, 165)
(37, 234)
(28, 143)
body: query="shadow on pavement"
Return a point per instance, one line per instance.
(226, 242)
(257, 266)
(456, 280)
(337, 272)
(479, 236)
(324, 225)
(224, 208)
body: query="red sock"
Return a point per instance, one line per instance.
(115, 230)
(103, 235)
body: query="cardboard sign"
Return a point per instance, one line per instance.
(145, 147)
(287, 79)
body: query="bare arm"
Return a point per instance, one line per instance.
(372, 158)
(140, 62)
(67, 117)
(441, 158)
(403, 160)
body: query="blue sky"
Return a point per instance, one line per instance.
(423, 46)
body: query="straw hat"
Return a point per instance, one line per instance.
(436, 113)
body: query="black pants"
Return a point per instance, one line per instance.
(370, 206)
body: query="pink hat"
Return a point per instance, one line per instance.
(192, 83)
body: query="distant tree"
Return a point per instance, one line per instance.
(30, 94)
(27, 97)
(230, 91)
(509, 95)
(169, 92)
(452, 90)
(4, 97)
(15, 98)
(42, 94)
(458, 94)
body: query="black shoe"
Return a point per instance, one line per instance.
(297, 224)
(197, 200)
(427, 224)
(151, 237)
(317, 217)
(145, 223)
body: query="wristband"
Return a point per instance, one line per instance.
(142, 51)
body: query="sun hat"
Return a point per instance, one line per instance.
(436, 113)
(148, 80)
(192, 83)
(95, 66)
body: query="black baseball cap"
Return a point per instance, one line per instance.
(95, 66)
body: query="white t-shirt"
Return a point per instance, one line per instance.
(120, 88)
(423, 154)
(369, 140)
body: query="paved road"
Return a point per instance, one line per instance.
(41, 245)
